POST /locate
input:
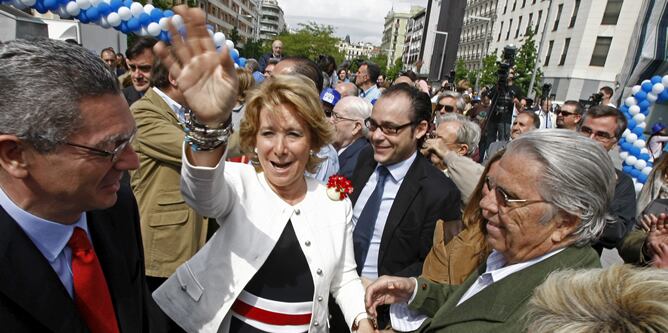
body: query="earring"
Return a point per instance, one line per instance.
(255, 150)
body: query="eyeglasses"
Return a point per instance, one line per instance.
(372, 125)
(565, 113)
(600, 135)
(447, 108)
(337, 117)
(112, 155)
(503, 199)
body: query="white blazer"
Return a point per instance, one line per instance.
(199, 295)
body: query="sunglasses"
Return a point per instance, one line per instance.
(565, 113)
(447, 108)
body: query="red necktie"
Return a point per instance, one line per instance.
(90, 287)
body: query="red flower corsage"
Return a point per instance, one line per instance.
(339, 187)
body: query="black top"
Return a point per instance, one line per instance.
(285, 277)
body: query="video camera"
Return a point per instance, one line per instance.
(545, 91)
(503, 98)
(594, 99)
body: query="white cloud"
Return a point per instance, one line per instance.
(361, 19)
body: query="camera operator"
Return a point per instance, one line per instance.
(606, 93)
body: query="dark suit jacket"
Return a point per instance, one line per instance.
(131, 95)
(425, 196)
(348, 159)
(32, 298)
(264, 60)
(623, 209)
(498, 308)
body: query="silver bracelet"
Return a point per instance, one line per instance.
(201, 137)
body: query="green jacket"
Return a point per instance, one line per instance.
(498, 308)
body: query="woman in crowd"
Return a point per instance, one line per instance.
(343, 75)
(283, 244)
(246, 82)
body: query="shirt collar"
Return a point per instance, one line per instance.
(175, 106)
(400, 169)
(366, 92)
(497, 269)
(49, 237)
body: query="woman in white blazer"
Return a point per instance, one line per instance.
(283, 244)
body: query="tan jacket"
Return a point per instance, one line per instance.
(172, 232)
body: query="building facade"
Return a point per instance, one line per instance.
(355, 50)
(412, 55)
(584, 45)
(225, 15)
(394, 33)
(444, 30)
(272, 21)
(476, 32)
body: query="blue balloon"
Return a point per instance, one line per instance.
(641, 95)
(626, 146)
(144, 19)
(50, 4)
(655, 79)
(624, 108)
(235, 55)
(645, 112)
(645, 156)
(156, 15)
(627, 169)
(104, 8)
(650, 164)
(168, 13)
(93, 13)
(638, 130)
(664, 95)
(631, 124)
(644, 105)
(647, 87)
(115, 4)
(127, 3)
(635, 151)
(40, 8)
(622, 141)
(83, 17)
(242, 62)
(642, 178)
(63, 2)
(124, 27)
(133, 24)
(164, 36)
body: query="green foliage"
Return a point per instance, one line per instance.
(525, 62)
(234, 36)
(380, 60)
(310, 41)
(489, 74)
(252, 49)
(461, 72)
(394, 71)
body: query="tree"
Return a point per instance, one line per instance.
(252, 49)
(525, 62)
(380, 59)
(489, 75)
(394, 71)
(310, 41)
(461, 72)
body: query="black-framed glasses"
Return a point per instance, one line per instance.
(387, 129)
(597, 134)
(113, 155)
(337, 117)
(503, 199)
(447, 108)
(565, 113)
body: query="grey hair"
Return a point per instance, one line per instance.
(578, 177)
(356, 108)
(460, 103)
(468, 132)
(43, 83)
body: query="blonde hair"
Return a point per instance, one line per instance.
(297, 91)
(620, 298)
(246, 82)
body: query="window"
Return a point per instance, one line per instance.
(529, 24)
(575, 14)
(510, 27)
(519, 24)
(564, 52)
(514, 5)
(556, 21)
(549, 53)
(500, 30)
(540, 16)
(524, 3)
(505, 7)
(611, 13)
(601, 50)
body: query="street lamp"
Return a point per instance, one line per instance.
(484, 47)
(445, 43)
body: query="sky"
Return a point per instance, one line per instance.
(363, 20)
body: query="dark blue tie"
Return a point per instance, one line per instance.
(367, 220)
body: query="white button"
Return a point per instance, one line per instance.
(319, 298)
(297, 211)
(307, 243)
(316, 324)
(319, 271)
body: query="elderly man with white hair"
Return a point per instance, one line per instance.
(543, 204)
(350, 137)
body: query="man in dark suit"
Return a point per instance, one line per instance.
(394, 226)
(71, 256)
(276, 53)
(350, 132)
(140, 60)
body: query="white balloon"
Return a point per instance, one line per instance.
(72, 8)
(644, 151)
(647, 170)
(623, 155)
(651, 97)
(114, 19)
(148, 8)
(137, 9)
(639, 143)
(143, 32)
(639, 118)
(219, 38)
(626, 133)
(640, 164)
(658, 88)
(153, 29)
(83, 4)
(29, 3)
(62, 12)
(18, 5)
(631, 101)
(631, 160)
(631, 138)
(638, 187)
(635, 89)
(229, 44)
(124, 13)
(210, 33)
(634, 110)
(664, 80)
(163, 23)
(641, 125)
(103, 23)
(645, 81)
(177, 21)
(94, 3)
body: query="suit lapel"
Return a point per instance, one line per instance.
(354, 147)
(28, 280)
(162, 106)
(366, 165)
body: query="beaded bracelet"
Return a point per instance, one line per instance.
(204, 138)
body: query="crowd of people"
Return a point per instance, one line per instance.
(168, 191)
